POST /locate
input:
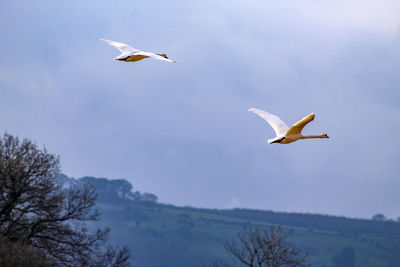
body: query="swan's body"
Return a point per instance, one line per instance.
(130, 54)
(284, 134)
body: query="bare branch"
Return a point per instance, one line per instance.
(265, 248)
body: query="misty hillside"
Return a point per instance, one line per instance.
(166, 235)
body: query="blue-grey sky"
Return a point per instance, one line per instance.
(182, 131)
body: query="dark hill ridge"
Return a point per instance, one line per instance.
(165, 235)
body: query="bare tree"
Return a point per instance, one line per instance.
(265, 249)
(36, 211)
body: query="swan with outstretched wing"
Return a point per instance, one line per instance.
(130, 54)
(284, 134)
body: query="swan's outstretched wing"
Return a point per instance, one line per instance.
(124, 48)
(276, 123)
(298, 126)
(155, 56)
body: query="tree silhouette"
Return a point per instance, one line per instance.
(379, 217)
(36, 212)
(257, 248)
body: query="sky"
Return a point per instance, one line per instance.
(182, 131)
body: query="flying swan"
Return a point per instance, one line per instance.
(284, 134)
(130, 54)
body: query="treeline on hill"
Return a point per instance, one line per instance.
(108, 190)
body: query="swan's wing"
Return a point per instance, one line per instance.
(155, 56)
(124, 48)
(298, 126)
(124, 56)
(276, 123)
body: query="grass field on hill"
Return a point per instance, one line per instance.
(165, 235)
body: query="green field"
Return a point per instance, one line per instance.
(164, 235)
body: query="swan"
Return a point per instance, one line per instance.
(130, 54)
(284, 134)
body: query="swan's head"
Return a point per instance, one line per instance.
(163, 55)
(325, 135)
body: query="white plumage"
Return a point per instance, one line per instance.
(130, 54)
(284, 134)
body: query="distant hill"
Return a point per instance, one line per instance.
(166, 235)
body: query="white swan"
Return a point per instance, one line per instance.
(130, 54)
(284, 134)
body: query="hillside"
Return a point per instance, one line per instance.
(165, 235)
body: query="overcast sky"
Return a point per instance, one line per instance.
(182, 131)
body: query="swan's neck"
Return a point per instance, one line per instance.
(314, 136)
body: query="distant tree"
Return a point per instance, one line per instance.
(37, 213)
(379, 217)
(257, 248)
(346, 258)
(149, 197)
(398, 219)
(109, 189)
(114, 190)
